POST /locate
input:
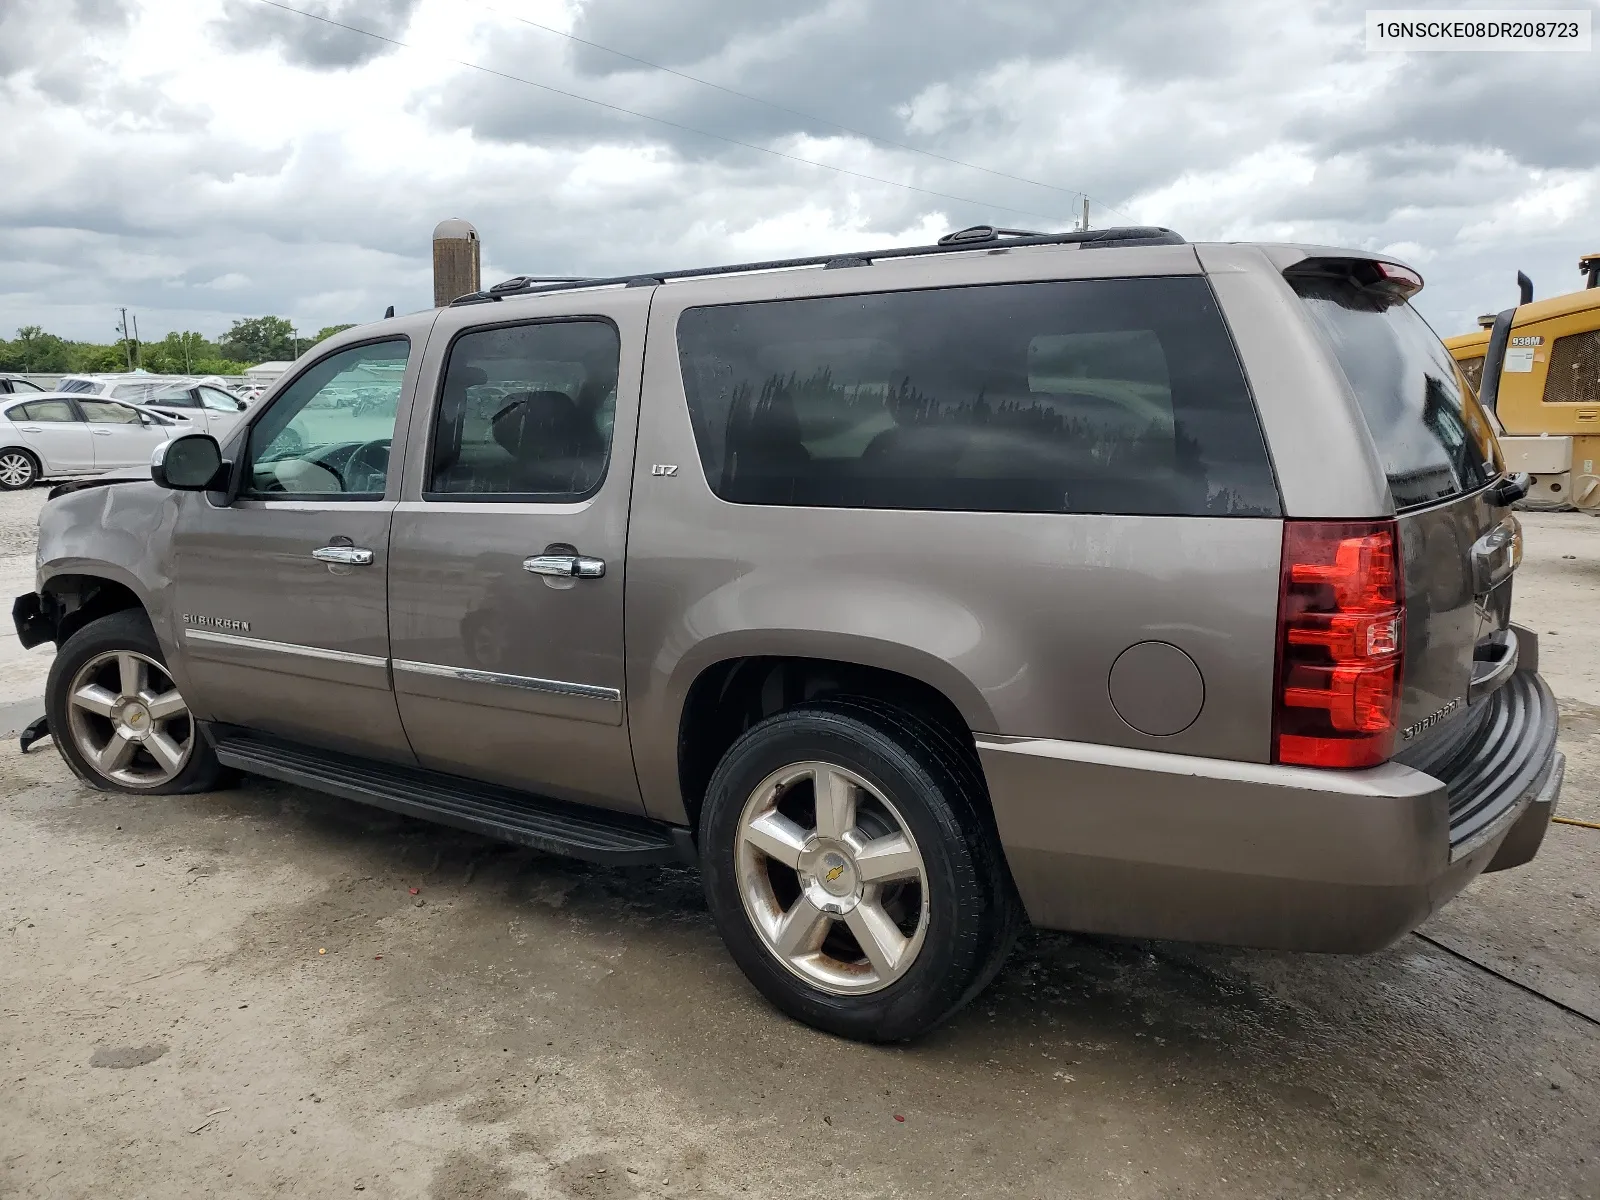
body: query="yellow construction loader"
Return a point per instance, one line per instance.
(1537, 368)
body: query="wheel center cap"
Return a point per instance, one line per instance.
(835, 874)
(136, 718)
(829, 872)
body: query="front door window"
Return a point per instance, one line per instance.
(328, 434)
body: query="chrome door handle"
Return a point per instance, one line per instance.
(565, 566)
(353, 556)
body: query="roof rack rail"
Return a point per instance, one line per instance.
(977, 237)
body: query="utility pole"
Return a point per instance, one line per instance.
(127, 348)
(138, 350)
(1086, 213)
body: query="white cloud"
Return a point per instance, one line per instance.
(202, 160)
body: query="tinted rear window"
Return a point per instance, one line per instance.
(1097, 396)
(1433, 438)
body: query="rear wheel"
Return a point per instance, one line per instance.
(853, 871)
(117, 717)
(18, 469)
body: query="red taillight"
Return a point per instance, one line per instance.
(1341, 637)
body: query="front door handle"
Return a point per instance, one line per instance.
(565, 566)
(352, 556)
(101, 432)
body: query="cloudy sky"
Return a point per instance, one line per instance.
(201, 160)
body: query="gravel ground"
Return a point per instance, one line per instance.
(239, 995)
(22, 671)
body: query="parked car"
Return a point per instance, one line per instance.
(16, 385)
(57, 435)
(205, 404)
(208, 407)
(132, 386)
(1099, 579)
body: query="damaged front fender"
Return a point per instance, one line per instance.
(35, 619)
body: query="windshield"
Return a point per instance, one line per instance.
(1431, 434)
(77, 385)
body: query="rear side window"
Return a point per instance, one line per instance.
(57, 411)
(1431, 434)
(526, 413)
(1097, 396)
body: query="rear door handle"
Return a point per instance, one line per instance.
(565, 566)
(101, 432)
(354, 556)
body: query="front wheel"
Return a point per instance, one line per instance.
(853, 871)
(18, 469)
(116, 716)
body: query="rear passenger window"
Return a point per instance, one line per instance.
(1099, 396)
(1430, 432)
(57, 411)
(526, 413)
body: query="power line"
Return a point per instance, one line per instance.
(544, 87)
(794, 112)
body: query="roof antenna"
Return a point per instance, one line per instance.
(388, 312)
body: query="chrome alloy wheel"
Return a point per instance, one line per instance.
(16, 469)
(831, 878)
(128, 721)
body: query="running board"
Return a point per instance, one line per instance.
(595, 834)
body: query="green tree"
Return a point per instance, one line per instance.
(40, 351)
(87, 358)
(181, 354)
(259, 339)
(327, 331)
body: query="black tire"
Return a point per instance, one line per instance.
(974, 913)
(126, 630)
(23, 459)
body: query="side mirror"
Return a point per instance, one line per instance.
(187, 464)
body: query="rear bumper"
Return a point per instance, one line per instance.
(1138, 843)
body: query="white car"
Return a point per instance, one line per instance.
(57, 435)
(206, 407)
(204, 404)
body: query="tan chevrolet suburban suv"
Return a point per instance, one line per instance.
(1097, 579)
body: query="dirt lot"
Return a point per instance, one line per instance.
(240, 995)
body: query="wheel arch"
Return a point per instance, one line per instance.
(731, 694)
(72, 599)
